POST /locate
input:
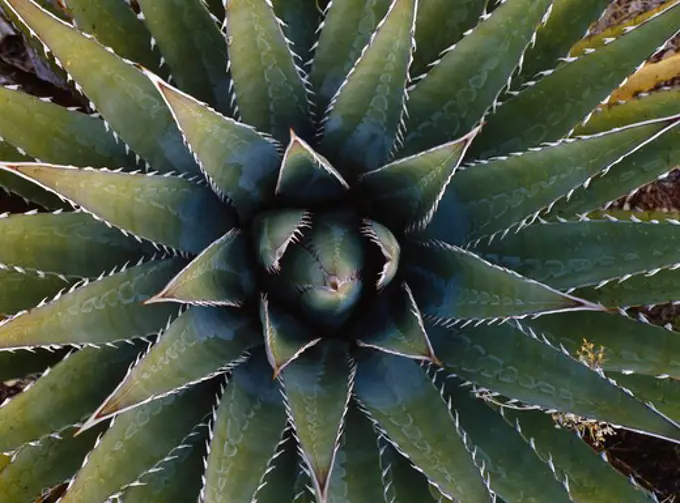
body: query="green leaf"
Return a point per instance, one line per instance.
(247, 432)
(394, 325)
(72, 244)
(63, 396)
(504, 360)
(275, 231)
(107, 310)
(201, 343)
(54, 134)
(267, 82)
(662, 393)
(362, 123)
(356, 475)
(317, 389)
(115, 25)
(169, 210)
(573, 254)
(285, 337)
(456, 93)
(16, 364)
(239, 163)
(639, 168)
(301, 18)
(568, 22)
(438, 27)
(347, 28)
(120, 92)
(137, 440)
(307, 177)
(221, 275)
(193, 47)
(506, 458)
(25, 289)
(38, 466)
(591, 478)
(449, 282)
(389, 247)
(15, 185)
(629, 345)
(511, 191)
(279, 483)
(178, 478)
(405, 194)
(403, 401)
(403, 483)
(549, 109)
(642, 289)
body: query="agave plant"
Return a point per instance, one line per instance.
(337, 253)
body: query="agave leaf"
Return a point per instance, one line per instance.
(590, 477)
(510, 191)
(221, 275)
(177, 477)
(278, 484)
(573, 254)
(115, 25)
(504, 360)
(36, 467)
(136, 441)
(72, 244)
(568, 22)
(347, 28)
(394, 325)
(356, 475)
(662, 393)
(64, 395)
(642, 167)
(549, 109)
(436, 114)
(16, 185)
(274, 231)
(240, 163)
(193, 46)
(403, 402)
(285, 337)
(405, 194)
(301, 19)
(15, 364)
(303, 488)
(123, 96)
(629, 345)
(403, 483)
(168, 210)
(648, 78)
(438, 27)
(107, 310)
(651, 288)
(24, 289)
(54, 134)
(268, 84)
(389, 247)
(361, 124)
(317, 389)
(449, 282)
(201, 343)
(307, 177)
(247, 432)
(501, 450)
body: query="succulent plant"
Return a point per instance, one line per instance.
(347, 252)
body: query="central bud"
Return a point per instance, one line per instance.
(320, 263)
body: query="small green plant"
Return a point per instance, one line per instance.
(288, 247)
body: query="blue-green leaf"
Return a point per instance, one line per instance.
(168, 210)
(361, 125)
(275, 231)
